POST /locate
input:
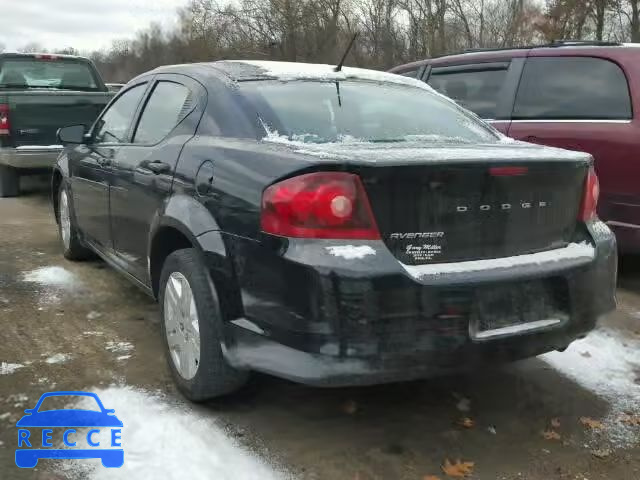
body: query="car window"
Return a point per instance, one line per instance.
(57, 402)
(167, 106)
(322, 112)
(409, 73)
(47, 71)
(114, 124)
(572, 88)
(477, 90)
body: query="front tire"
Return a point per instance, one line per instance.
(192, 329)
(71, 245)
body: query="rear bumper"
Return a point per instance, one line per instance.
(30, 157)
(355, 315)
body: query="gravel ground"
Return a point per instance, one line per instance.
(80, 326)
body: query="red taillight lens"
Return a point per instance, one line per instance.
(590, 197)
(319, 205)
(508, 171)
(5, 125)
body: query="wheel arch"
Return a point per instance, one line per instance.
(175, 230)
(56, 181)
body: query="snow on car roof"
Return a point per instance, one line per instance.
(285, 71)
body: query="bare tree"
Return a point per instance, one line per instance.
(391, 31)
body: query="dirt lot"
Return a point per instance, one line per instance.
(80, 326)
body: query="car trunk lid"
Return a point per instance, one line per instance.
(451, 203)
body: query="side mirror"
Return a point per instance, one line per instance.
(73, 134)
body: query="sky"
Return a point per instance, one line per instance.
(83, 24)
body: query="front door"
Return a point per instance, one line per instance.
(143, 170)
(91, 166)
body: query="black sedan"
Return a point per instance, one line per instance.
(332, 227)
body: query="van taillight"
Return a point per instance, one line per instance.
(5, 125)
(590, 196)
(319, 205)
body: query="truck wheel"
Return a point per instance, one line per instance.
(192, 328)
(9, 182)
(71, 245)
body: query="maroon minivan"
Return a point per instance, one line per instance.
(574, 95)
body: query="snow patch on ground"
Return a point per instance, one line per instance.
(350, 252)
(608, 364)
(168, 441)
(119, 347)
(59, 358)
(9, 368)
(573, 251)
(92, 333)
(18, 400)
(50, 276)
(93, 315)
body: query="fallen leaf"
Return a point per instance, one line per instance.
(551, 435)
(591, 423)
(601, 453)
(467, 422)
(631, 420)
(431, 477)
(350, 407)
(457, 469)
(555, 422)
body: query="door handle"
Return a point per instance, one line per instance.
(158, 167)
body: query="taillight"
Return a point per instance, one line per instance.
(590, 196)
(319, 205)
(5, 125)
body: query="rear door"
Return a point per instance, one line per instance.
(143, 170)
(583, 103)
(486, 88)
(91, 166)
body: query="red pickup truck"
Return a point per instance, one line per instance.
(577, 95)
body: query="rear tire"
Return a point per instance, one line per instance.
(72, 247)
(193, 331)
(9, 182)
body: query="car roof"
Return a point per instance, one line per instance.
(561, 49)
(41, 55)
(246, 70)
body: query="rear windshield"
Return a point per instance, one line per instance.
(67, 74)
(320, 112)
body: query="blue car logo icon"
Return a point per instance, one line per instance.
(28, 452)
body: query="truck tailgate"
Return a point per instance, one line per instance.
(36, 115)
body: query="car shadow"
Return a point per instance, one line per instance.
(629, 272)
(387, 428)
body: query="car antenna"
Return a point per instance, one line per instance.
(346, 52)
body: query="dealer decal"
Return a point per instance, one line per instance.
(80, 433)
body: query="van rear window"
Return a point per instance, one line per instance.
(572, 88)
(54, 73)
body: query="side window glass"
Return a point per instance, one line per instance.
(477, 90)
(572, 88)
(115, 123)
(410, 73)
(167, 106)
